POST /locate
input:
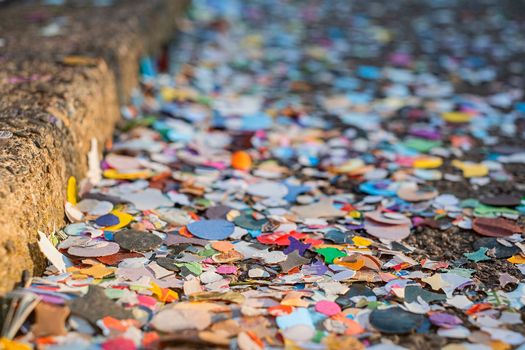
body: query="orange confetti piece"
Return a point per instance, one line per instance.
(255, 338)
(45, 341)
(352, 327)
(119, 325)
(149, 340)
(279, 310)
(223, 246)
(478, 307)
(355, 265)
(500, 345)
(241, 160)
(7, 344)
(194, 216)
(184, 232)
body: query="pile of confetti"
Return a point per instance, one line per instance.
(301, 175)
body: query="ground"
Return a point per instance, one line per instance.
(306, 175)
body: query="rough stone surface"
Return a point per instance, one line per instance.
(54, 110)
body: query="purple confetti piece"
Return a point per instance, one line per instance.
(316, 268)
(295, 244)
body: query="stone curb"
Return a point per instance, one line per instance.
(52, 105)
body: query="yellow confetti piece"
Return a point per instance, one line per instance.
(297, 302)
(79, 277)
(517, 259)
(471, 169)
(164, 295)
(316, 52)
(355, 214)
(98, 271)
(428, 163)
(232, 214)
(80, 61)
(350, 166)
(456, 117)
(361, 250)
(291, 345)
(124, 220)
(253, 40)
(115, 175)
(272, 112)
(475, 170)
(6, 344)
(500, 345)
(72, 190)
(348, 342)
(168, 93)
(73, 269)
(361, 241)
(382, 34)
(457, 164)
(336, 246)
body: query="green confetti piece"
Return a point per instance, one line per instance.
(202, 202)
(469, 203)
(421, 145)
(478, 255)
(207, 251)
(194, 267)
(330, 254)
(114, 293)
(318, 337)
(373, 305)
(146, 121)
(489, 211)
(467, 273)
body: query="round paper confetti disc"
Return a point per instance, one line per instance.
(328, 308)
(217, 212)
(137, 241)
(268, 189)
(386, 231)
(501, 200)
(102, 249)
(75, 229)
(395, 320)
(211, 229)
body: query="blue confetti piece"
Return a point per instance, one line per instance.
(107, 220)
(369, 72)
(147, 67)
(211, 229)
(255, 233)
(372, 188)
